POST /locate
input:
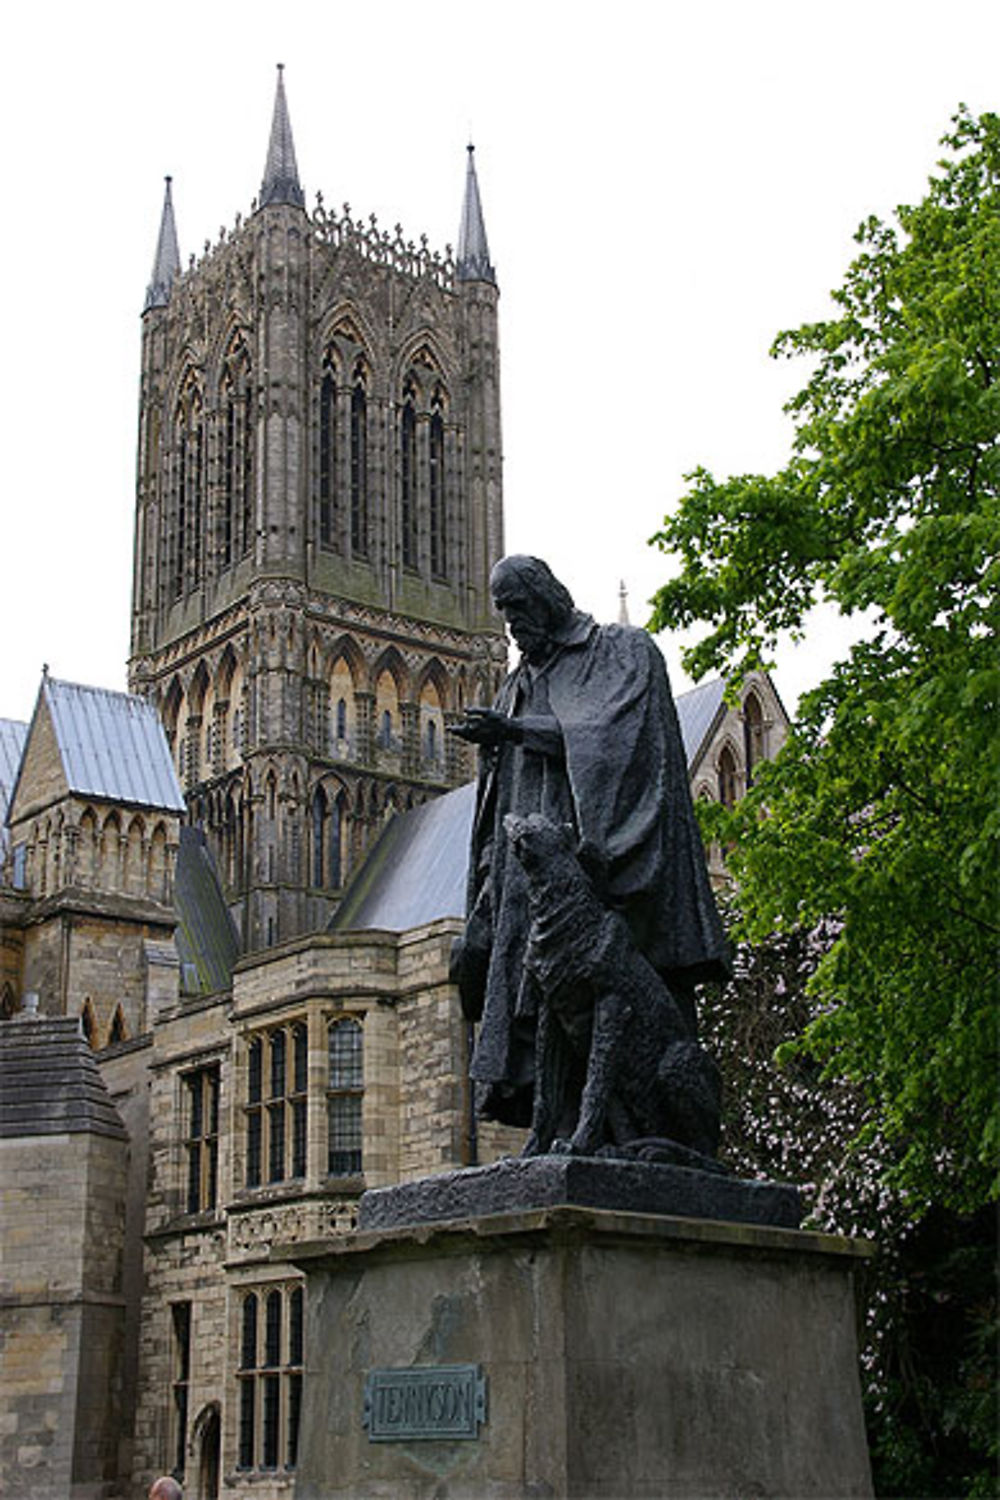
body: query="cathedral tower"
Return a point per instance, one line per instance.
(318, 510)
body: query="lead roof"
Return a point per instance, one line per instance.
(112, 746)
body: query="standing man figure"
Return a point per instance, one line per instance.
(583, 731)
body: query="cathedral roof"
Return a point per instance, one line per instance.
(167, 263)
(109, 745)
(281, 174)
(697, 711)
(49, 1081)
(206, 939)
(472, 259)
(12, 737)
(416, 872)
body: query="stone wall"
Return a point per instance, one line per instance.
(63, 1164)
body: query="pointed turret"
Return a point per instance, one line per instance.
(623, 618)
(472, 261)
(281, 175)
(167, 264)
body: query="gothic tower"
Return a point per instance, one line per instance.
(318, 510)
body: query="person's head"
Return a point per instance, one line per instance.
(534, 603)
(165, 1488)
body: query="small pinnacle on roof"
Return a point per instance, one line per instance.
(167, 262)
(623, 618)
(472, 259)
(281, 174)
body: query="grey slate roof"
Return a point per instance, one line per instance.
(49, 1081)
(112, 746)
(417, 870)
(12, 737)
(167, 263)
(697, 711)
(206, 939)
(472, 259)
(281, 174)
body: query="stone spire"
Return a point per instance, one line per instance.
(472, 261)
(167, 264)
(281, 175)
(623, 618)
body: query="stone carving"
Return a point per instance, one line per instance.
(590, 915)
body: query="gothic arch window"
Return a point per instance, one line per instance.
(387, 715)
(118, 1032)
(8, 1004)
(436, 489)
(727, 777)
(320, 812)
(345, 1092)
(237, 457)
(328, 450)
(88, 1023)
(185, 542)
(753, 733)
(359, 463)
(408, 476)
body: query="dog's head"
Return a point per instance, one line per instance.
(537, 842)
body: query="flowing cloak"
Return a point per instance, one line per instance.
(602, 751)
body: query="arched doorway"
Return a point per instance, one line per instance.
(206, 1441)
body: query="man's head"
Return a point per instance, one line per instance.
(165, 1488)
(534, 603)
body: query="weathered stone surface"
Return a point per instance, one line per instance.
(588, 1182)
(624, 1356)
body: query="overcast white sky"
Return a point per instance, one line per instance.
(665, 187)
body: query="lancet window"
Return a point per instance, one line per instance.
(185, 534)
(327, 451)
(359, 463)
(436, 489)
(237, 458)
(408, 476)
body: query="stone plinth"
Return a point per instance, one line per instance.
(624, 1354)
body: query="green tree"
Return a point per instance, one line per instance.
(882, 813)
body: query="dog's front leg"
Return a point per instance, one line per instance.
(611, 1015)
(544, 1105)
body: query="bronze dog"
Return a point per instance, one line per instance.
(616, 1063)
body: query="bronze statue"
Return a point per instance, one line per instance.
(581, 756)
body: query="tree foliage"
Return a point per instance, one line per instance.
(929, 1296)
(882, 812)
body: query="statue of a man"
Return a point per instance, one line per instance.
(585, 733)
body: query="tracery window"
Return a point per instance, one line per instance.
(727, 777)
(408, 478)
(277, 1077)
(237, 458)
(359, 464)
(345, 1092)
(201, 1137)
(269, 1377)
(185, 535)
(327, 452)
(753, 733)
(436, 489)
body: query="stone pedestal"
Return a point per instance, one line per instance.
(622, 1353)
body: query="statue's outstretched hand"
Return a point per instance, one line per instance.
(486, 726)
